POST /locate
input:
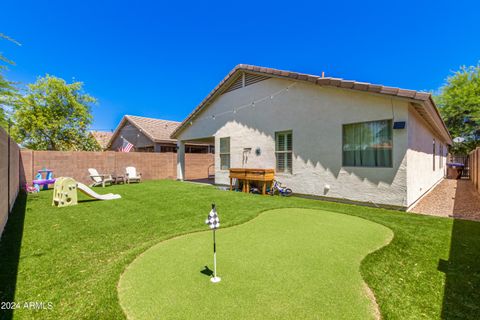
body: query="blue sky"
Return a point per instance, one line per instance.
(161, 59)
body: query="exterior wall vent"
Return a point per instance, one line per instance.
(236, 84)
(254, 78)
(245, 79)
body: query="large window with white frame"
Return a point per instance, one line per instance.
(225, 153)
(368, 144)
(283, 151)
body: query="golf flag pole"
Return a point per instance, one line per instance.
(213, 222)
(214, 256)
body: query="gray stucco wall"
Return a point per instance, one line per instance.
(133, 135)
(316, 116)
(422, 176)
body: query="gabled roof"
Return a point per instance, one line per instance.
(157, 130)
(423, 101)
(102, 137)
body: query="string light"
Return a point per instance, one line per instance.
(252, 105)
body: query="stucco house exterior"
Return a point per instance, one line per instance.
(150, 135)
(323, 136)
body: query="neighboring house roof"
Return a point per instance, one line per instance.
(422, 101)
(102, 137)
(157, 130)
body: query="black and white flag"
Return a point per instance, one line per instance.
(213, 220)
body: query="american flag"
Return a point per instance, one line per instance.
(126, 146)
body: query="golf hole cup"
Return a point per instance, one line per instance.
(213, 221)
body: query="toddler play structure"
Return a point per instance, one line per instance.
(40, 180)
(65, 192)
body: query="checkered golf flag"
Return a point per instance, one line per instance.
(213, 220)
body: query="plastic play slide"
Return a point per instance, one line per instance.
(65, 192)
(89, 192)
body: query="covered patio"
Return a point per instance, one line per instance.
(194, 170)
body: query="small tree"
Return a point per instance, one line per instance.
(54, 115)
(8, 92)
(459, 102)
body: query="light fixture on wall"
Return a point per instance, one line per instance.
(399, 125)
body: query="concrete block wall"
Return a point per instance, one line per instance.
(198, 165)
(9, 176)
(75, 164)
(18, 168)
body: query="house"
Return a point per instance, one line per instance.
(102, 138)
(323, 136)
(150, 135)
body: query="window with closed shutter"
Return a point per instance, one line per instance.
(225, 153)
(283, 151)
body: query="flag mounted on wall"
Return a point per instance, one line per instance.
(126, 146)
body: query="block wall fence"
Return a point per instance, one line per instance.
(9, 175)
(152, 165)
(18, 167)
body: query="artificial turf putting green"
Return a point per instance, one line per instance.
(284, 264)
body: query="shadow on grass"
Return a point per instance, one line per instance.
(10, 245)
(87, 200)
(461, 299)
(207, 271)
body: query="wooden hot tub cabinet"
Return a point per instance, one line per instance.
(246, 175)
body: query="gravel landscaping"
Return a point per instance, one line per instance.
(451, 198)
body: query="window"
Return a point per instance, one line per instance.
(196, 149)
(368, 144)
(225, 153)
(168, 149)
(441, 156)
(434, 153)
(145, 149)
(283, 151)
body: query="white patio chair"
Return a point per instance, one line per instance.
(131, 175)
(99, 179)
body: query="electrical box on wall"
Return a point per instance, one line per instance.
(399, 125)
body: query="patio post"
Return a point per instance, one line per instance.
(180, 160)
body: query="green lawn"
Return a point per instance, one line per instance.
(73, 257)
(284, 264)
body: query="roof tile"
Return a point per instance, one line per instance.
(347, 84)
(156, 129)
(360, 86)
(102, 137)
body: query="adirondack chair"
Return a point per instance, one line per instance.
(131, 175)
(99, 179)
